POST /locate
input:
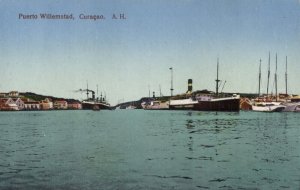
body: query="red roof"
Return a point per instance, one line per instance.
(61, 101)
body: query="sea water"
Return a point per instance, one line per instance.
(137, 149)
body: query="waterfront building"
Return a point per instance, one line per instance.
(3, 94)
(19, 102)
(31, 105)
(8, 104)
(46, 104)
(74, 106)
(13, 94)
(245, 104)
(60, 104)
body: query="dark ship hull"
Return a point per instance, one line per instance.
(218, 105)
(214, 104)
(91, 105)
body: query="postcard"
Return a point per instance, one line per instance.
(136, 94)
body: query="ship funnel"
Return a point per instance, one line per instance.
(190, 86)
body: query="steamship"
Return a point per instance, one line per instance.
(94, 103)
(206, 100)
(203, 101)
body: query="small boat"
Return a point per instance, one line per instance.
(291, 106)
(157, 105)
(130, 107)
(268, 107)
(96, 107)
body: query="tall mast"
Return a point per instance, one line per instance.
(276, 79)
(268, 75)
(217, 80)
(97, 92)
(171, 89)
(87, 90)
(259, 77)
(286, 75)
(159, 90)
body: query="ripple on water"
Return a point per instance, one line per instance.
(183, 150)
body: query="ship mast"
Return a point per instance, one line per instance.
(171, 89)
(268, 75)
(148, 91)
(87, 90)
(217, 80)
(259, 78)
(97, 92)
(276, 79)
(286, 75)
(160, 91)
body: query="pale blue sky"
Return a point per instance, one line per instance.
(124, 57)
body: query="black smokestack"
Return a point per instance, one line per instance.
(190, 86)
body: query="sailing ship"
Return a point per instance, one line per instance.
(268, 107)
(291, 107)
(207, 101)
(266, 104)
(292, 104)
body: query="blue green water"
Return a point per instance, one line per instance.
(137, 149)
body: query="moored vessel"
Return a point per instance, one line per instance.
(267, 103)
(268, 107)
(183, 104)
(207, 101)
(157, 105)
(94, 103)
(231, 103)
(291, 106)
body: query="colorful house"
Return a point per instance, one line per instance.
(19, 102)
(31, 105)
(3, 94)
(13, 94)
(61, 104)
(245, 104)
(74, 106)
(46, 104)
(8, 104)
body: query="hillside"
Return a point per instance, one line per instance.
(38, 97)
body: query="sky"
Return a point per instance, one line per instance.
(128, 57)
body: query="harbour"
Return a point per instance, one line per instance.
(158, 95)
(144, 149)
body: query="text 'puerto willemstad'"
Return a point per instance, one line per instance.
(81, 16)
